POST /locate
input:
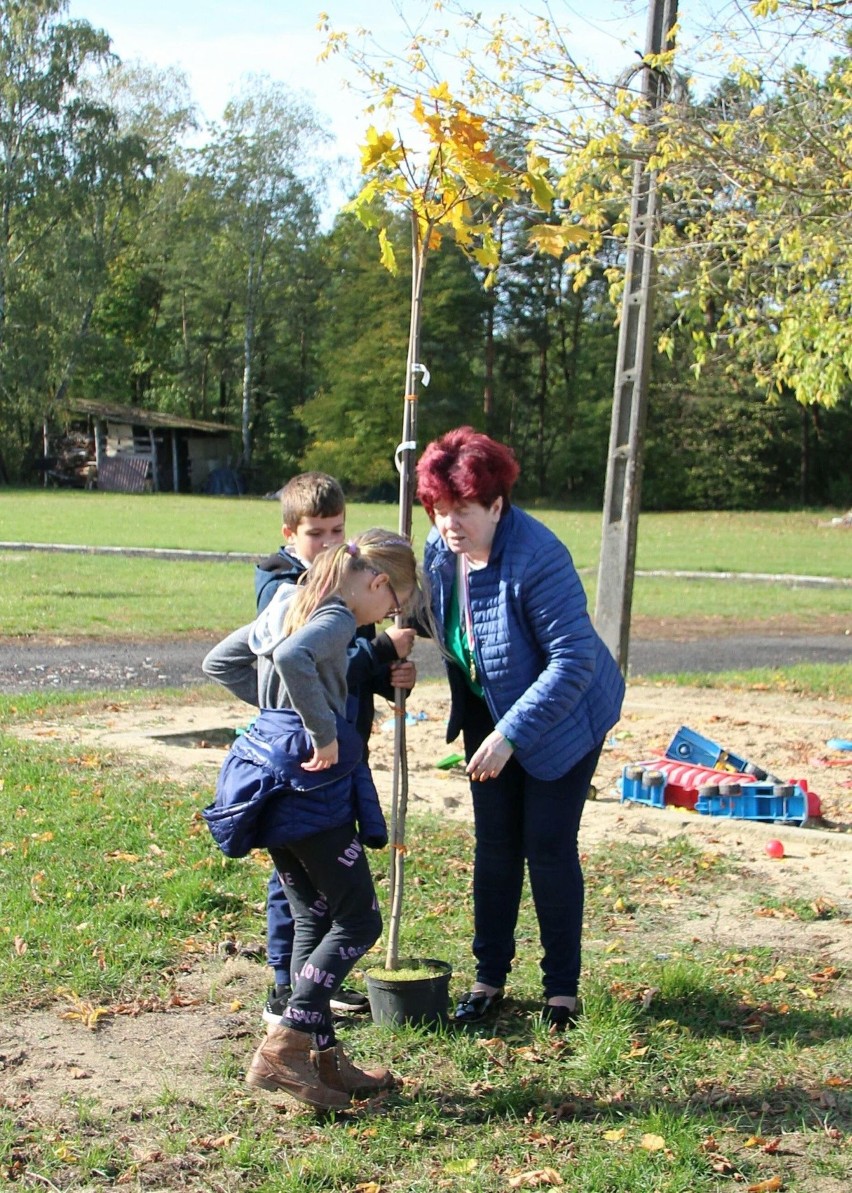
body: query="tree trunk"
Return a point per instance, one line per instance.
(407, 453)
(488, 392)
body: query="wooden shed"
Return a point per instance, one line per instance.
(138, 450)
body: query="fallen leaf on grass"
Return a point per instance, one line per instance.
(768, 1186)
(20, 946)
(208, 1143)
(649, 996)
(368, 1187)
(535, 1179)
(652, 1143)
(615, 1135)
(827, 974)
(461, 1167)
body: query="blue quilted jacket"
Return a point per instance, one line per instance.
(552, 687)
(264, 798)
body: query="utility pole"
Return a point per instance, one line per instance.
(630, 397)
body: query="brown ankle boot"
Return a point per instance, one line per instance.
(284, 1061)
(337, 1070)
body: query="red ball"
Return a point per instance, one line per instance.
(774, 848)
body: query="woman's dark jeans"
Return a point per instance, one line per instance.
(520, 819)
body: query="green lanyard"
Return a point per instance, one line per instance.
(458, 635)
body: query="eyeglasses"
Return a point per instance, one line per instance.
(396, 611)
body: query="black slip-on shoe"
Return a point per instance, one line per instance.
(559, 1018)
(476, 1006)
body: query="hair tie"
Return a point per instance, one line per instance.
(353, 549)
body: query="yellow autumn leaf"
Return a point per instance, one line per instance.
(652, 1143)
(555, 239)
(441, 91)
(461, 1167)
(387, 255)
(377, 147)
(487, 255)
(615, 1135)
(542, 192)
(368, 1187)
(86, 1013)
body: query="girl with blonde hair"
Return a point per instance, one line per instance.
(296, 784)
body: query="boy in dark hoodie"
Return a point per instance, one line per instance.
(313, 515)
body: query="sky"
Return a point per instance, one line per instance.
(218, 42)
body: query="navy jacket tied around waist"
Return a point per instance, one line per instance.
(265, 798)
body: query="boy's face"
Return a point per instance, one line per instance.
(313, 535)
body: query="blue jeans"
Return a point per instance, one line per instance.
(279, 930)
(518, 821)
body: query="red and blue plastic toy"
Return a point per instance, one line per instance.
(699, 774)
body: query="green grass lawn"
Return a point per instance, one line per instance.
(791, 542)
(96, 596)
(695, 1067)
(124, 596)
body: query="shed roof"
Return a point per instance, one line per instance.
(114, 412)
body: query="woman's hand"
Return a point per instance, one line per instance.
(322, 758)
(490, 758)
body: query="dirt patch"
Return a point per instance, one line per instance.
(47, 1061)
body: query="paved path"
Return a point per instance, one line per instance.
(90, 666)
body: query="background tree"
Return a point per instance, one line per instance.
(258, 167)
(47, 137)
(351, 422)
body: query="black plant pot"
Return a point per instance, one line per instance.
(423, 1002)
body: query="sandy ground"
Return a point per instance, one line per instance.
(47, 1059)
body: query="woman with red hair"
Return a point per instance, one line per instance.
(534, 693)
